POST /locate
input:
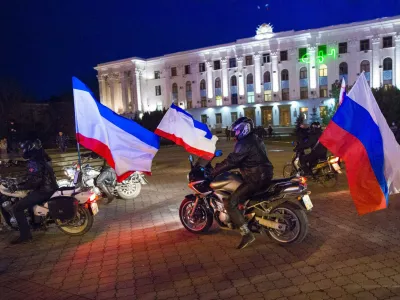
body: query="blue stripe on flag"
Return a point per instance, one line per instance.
(356, 120)
(129, 126)
(197, 124)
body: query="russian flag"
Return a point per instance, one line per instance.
(359, 133)
(180, 127)
(126, 146)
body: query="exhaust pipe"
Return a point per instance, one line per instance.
(271, 224)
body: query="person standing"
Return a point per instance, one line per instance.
(227, 133)
(270, 130)
(62, 141)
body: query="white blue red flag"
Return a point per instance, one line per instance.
(180, 127)
(126, 146)
(360, 135)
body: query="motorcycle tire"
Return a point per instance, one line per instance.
(295, 212)
(330, 180)
(126, 192)
(81, 229)
(288, 170)
(186, 222)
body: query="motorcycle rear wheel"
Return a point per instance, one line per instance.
(202, 218)
(81, 223)
(129, 191)
(295, 219)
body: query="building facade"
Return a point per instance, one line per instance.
(271, 77)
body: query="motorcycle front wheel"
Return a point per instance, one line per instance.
(329, 178)
(288, 170)
(201, 220)
(296, 222)
(79, 225)
(129, 190)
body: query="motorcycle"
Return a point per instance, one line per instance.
(72, 210)
(128, 189)
(325, 172)
(278, 210)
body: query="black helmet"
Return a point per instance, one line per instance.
(31, 148)
(242, 127)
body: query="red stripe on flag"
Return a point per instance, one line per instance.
(364, 187)
(180, 142)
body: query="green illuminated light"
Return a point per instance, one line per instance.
(320, 57)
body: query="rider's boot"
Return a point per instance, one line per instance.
(104, 188)
(247, 237)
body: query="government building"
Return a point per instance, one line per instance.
(271, 77)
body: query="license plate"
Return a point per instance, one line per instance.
(337, 167)
(307, 202)
(95, 208)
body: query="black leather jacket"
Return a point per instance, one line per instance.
(311, 142)
(40, 176)
(250, 156)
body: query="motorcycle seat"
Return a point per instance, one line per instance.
(66, 188)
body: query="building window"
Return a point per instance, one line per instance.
(232, 62)
(157, 74)
(202, 67)
(234, 116)
(267, 77)
(364, 66)
(204, 119)
(174, 88)
(158, 90)
(323, 91)
(284, 55)
(202, 85)
(285, 94)
(284, 75)
(188, 86)
(303, 92)
(249, 60)
(364, 45)
(218, 119)
(323, 71)
(268, 95)
(343, 69)
(343, 48)
(387, 42)
(217, 64)
(189, 104)
(266, 58)
(304, 112)
(322, 50)
(302, 52)
(159, 106)
(233, 81)
(323, 111)
(174, 72)
(218, 100)
(203, 102)
(303, 73)
(187, 69)
(250, 97)
(234, 99)
(218, 83)
(387, 64)
(250, 79)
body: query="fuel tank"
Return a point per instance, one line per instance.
(227, 181)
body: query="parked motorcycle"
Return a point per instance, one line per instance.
(72, 210)
(278, 210)
(129, 189)
(325, 172)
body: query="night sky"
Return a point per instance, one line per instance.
(45, 42)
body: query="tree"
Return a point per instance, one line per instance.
(331, 110)
(388, 99)
(151, 120)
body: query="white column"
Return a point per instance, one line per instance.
(225, 86)
(397, 61)
(312, 68)
(257, 73)
(124, 94)
(102, 89)
(112, 91)
(138, 90)
(209, 80)
(376, 74)
(294, 82)
(275, 72)
(240, 76)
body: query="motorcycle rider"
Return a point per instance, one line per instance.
(250, 156)
(318, 151)
(40, 179)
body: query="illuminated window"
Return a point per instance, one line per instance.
(189, 104)
(285, 75)
(218, 119)
(157, 75)
(204, 119)
(323, 70)
(250, 97)
(202, 67)
(322, 50)
(187, 69)
(203, 102)
(303, 92)
(217, 64)
(304, 112)
(303, 73)
(174, 72)
(218, 100)
(364, 45)
(285, 94)
(268, 95)
(232, 62)
(159, 106)
(158, 90)
(387, 42)
(249, 60)
(323, 91)
(323, 111)
(343, 48)
(284, 55)
(302, 52)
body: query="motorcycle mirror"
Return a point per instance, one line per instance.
(191, 158)
(218, 153)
